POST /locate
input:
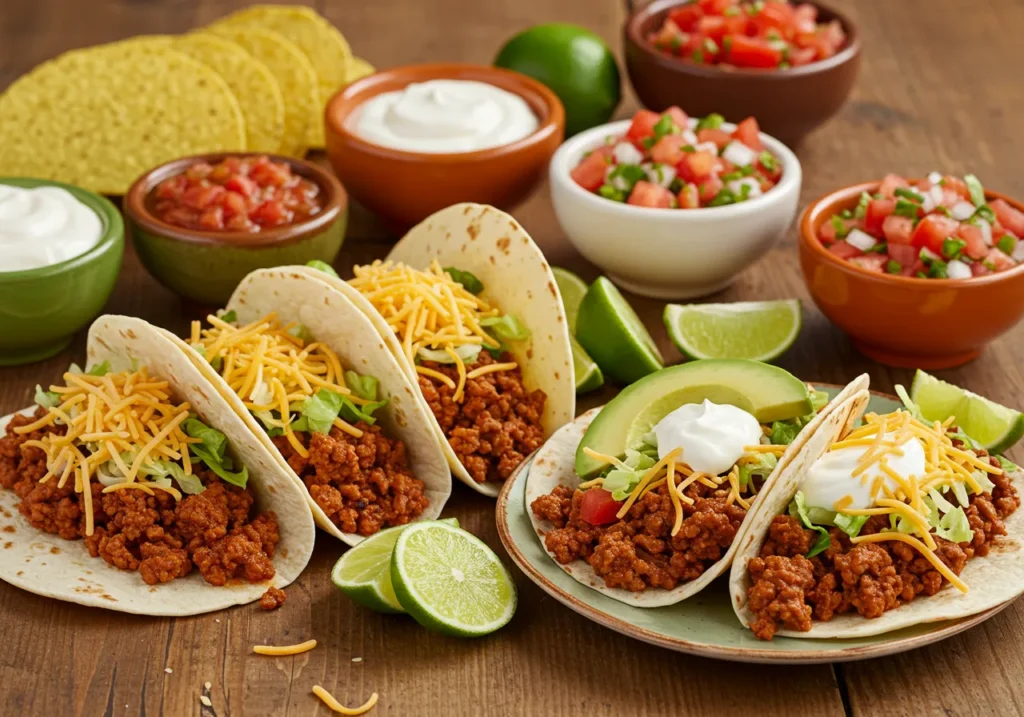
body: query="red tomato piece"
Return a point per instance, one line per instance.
(597, 506)
(686, 16)
(689, 197)
(719, 136)
(956, 185)
(589, 173)
(1010, 217)
(932, 230)
(890, 183)
(643, 125)
(905, 254)
(646, 194)
(749, 133)
(709, 188)
(898, 230)
(668, 149)
(715, 7)
(979, 269)
(805, 18)
(668, 36)
(696, 166)
(827, 234)
(201, 196)
(976, 247)
(241, 184)
(271, 213)
(996, 260)
(713, 26)
(802, 56)
(877, 211)
(774, 16)
(875, 263)
(753, 52)
(679, 118)
(844, 250)
(212, 218)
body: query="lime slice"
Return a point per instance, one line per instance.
(756, 330)
(364, 572)
(573, 289)
(996, 428)
(612, 333)
(450, 581)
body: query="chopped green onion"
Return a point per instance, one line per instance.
(710, 46)
(649, 142)
(609, 192)
(893, 267)
(975, 189)
(862, 205)
(840, 226)
(952, 247)
(905, 208)
(731, 11)
(675, 43)
(725, 196)
(768, 161)
(727, 44)
(984, 212)
(698, 56)
(937, 270)
(1007, 244)
(712, 121)
(467, 278)
(908, 194)
(676, 185)
(664, 126)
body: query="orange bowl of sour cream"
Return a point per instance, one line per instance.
(409, 141)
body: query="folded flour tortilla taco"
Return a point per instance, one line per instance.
(882, 522)
(642, 499)
(469, 307)
(133, 486)
(313, 380)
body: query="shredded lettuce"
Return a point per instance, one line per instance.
(912, 408)
(189, 484)
(228, 317)
(986, 485)
(468, 280)
(784, 432)
(620, 483)
(302, 333)
(1008, 465)
(466, 352)
(46, 399)
(506, 328)
(323, 266)
(318, 411)
(850, 524)
(211, 450)
(354, 413)
(364, 387)
(766, 463)
(798, 509)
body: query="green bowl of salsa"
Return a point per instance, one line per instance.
(200, 224)
(65, 246)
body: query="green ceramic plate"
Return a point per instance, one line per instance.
(705, 624)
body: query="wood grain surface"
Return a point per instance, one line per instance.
(940, 89)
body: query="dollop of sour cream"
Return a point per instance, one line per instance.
(830, 478)
(445, 116)
(713, 436)
(43, 226)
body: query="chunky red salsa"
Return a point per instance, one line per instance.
(941, 227)
(762, 34)
(669, 161)
(244, 194)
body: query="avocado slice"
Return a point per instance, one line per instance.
(768, 392)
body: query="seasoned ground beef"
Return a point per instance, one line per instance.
(362, 484)
(789, 590)
(273, 598)
(495, 425)
(215, 531)
(638, 552)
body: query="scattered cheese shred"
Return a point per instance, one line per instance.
(283, 650)
(328, 699)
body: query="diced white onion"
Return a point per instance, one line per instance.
(626, 153)
(736, 186)
(1018, 251)
(660, 174)
(689, 137)
(936, 195)
(934, 177)
(962, 211)
(956, 269)
(928, 202)
(860, 239)
(986, 231)
(739, 154)
(707, 147)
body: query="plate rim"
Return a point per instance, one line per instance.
(945, 629)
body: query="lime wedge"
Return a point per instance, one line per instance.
(756, 330)
(612, 333)
(588, 374)
(450, 581)
(573, 289)
(364, 572)
(996, 428)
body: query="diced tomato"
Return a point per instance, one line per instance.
(709, 188)
(898, 230)
(752, 52)
(918, 267)
(828, 234)
(689, 197)
(979, 269)
(212, 218)
(234, 203)
(956, 185)
(874, 263)
(932, 230)
(905, 254)
(686, 16)
(597, 506)
(719, 136)
(1010, 217)
(774, 16)
(845, 250)
(715, 7)
(802, 56)
(976, 247)
(242, 185)
(890, 183)
(679, 118)
(646, 194)
(696, 166)
(270, 213)
(668, 36)
(713, 26)
(590, 173)
(643, 125)
(668, 149)
(877, 211)
(805, 17)
(272, 174)
(201, 196)
(998, 261)
(749, 133)
(834, 35)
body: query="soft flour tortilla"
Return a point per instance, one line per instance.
(516, 277)
(334, 321)
(993, 579)
(554, 465)
(48, 565)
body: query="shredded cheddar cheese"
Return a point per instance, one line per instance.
(328, 699)
(284, 650)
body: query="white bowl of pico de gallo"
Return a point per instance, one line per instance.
(674, 207)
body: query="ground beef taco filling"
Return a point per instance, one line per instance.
(216, 532)
(496, 421)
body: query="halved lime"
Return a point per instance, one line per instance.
(450, 581)
(364, 572)
(573, 289)
(612, 333)
(996, 428)
(756, 330)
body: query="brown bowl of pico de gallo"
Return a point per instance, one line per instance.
(791, 65)
(921, 273)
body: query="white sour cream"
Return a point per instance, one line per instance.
(713, 436)
(445, 116)
(43, 226)
(830, 478)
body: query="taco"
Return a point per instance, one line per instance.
(313, 381)
(469, 307)
(132, 486)
(882, 522)
(654, 519)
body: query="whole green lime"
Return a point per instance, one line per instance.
(575, 63)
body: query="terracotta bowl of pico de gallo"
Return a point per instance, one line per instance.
(200, 224)
(674, 207)
(412, 140)
(790, 64)
(921, 273)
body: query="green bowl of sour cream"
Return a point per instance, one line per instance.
(60, 253)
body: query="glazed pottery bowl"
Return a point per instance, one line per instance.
(206, 266)
(405, 187)
(788, 103)
(906, 321)
(670, 253)
(41, 309)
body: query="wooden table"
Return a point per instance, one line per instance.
(940, 89)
